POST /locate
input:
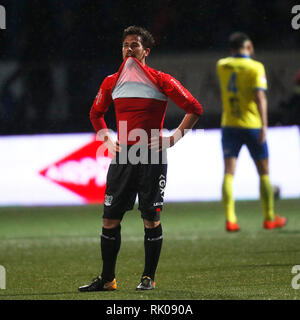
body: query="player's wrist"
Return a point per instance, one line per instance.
(176, 136)
(172, 141)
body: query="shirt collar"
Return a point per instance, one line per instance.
(239, 55)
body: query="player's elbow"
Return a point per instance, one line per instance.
(94, 114)
(194, 108)
(260, 97)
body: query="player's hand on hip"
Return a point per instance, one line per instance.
(161, 143)
(112, 146)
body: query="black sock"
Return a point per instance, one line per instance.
(110, 245)
(152, 243)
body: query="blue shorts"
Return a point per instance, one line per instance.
(234, 138)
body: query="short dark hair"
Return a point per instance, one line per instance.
(237, 40)
(146, 37)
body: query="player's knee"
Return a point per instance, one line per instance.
(229, 165)
(111, 223)
(151, 224)
(263, 172)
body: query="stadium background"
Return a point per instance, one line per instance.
(54, 55)
(66, 48)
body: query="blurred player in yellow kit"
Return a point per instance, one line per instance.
(244, 121)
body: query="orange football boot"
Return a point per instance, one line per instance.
(278, 222)
(232, 226)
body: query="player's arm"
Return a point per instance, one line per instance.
(184, 99)
(260, 85)
(262, 105)
(188, 122)
(99, 108)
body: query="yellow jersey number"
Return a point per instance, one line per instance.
(234, 101)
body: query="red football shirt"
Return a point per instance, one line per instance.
(140, 95)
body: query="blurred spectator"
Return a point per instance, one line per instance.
(165, 20)
(291, 107)
(84, 44)
(7, 107)
(29, 111)
(37, 93)
(77, 37)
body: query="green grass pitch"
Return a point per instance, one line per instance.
(49, 251)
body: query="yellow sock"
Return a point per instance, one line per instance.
(267, 197)
(227, 197)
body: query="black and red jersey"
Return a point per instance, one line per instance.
(140, 95)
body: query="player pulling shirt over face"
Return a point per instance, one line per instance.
(140, 95)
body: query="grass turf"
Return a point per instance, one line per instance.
(49, 251)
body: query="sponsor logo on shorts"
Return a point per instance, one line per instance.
(108, 200)
(162, 184)
(157, 204)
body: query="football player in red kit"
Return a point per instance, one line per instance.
(140, 96)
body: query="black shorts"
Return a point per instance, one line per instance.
(126, 181)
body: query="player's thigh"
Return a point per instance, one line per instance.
(151, 188)
(231, 142)
(120, 191)
(258, 151)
